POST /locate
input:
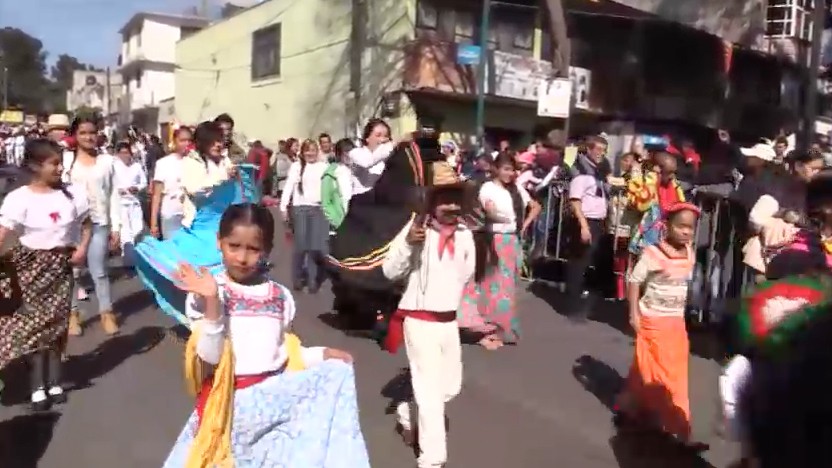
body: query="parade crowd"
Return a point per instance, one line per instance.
(425, 244)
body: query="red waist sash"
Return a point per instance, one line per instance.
(240, 382)
(395, 330)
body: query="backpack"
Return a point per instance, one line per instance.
(332, 202)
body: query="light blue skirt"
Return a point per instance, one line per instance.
(306, 419)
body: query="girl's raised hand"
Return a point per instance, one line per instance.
(201, 283)
(332, 353)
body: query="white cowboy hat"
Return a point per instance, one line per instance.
(57, 121)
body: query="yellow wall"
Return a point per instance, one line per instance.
(312, 94)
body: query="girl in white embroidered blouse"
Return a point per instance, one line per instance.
(264, 382)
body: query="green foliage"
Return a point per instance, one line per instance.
(30, 88)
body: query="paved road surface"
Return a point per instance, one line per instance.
(540, 404)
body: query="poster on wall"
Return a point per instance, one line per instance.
(582, 81)
(553, 98)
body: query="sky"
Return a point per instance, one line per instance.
(86, 29)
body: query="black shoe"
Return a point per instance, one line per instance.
(57, 398)
(297, 287)
(42, 404)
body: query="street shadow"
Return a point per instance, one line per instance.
(634, 449)
(354, 328)
(24, 439)
(17, 389)
(134, 302)
(598, 378)
(652, 450)
(704, 341)
(80, 371)
(397, 390)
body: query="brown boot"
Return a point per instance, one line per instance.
(75, 328)
(109, 323)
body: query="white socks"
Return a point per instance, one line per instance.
(39, 395)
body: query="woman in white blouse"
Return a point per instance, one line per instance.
(310, 226)
(204, 169)
(368, 161)
(93, 173)
(166, 206)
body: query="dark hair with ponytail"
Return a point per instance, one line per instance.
(343, 148)
(371, 125)
(205, 135)
(506, 158)
(248, 214)
(74, 127)
(36, 153)
(308, 143)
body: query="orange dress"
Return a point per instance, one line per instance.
(658, 379)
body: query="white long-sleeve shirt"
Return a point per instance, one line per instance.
(432, 283)
(127, 176)
(256, 318)
(96, 182)
(343, 175)
(311, 195)
(367, 166)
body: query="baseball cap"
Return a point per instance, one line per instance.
(761, 151)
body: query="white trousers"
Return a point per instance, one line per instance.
(132, 224)
(435, 356)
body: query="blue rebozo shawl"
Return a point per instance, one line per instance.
(157, 260)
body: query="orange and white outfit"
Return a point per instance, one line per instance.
(658, 379)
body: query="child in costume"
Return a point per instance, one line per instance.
(271, 402)
(435, 257)
(656, 393)
(47, 217)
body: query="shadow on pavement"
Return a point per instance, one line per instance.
(134, 302)
(82, 370)
(704, 343)
(397, 390)
(642, 449)
(598, 378)
(24, 439)
(652, 450)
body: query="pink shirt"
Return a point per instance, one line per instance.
(585, 189)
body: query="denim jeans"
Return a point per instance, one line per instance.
(97, 258)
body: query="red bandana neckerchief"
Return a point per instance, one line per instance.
(446, 237)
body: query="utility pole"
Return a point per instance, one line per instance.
(810, 105)
(485, 25)
(204, 9)
(107, 98)
(5, 77)
(5, 87)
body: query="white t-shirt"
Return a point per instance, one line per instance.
(504, 207)
(168, 171)
(312, 175)
(44, 221)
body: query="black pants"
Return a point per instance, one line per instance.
(583, 256)
(46, 369)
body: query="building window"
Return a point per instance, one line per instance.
(791, 19)
(138, 79)
(265, 53)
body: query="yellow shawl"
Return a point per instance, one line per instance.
(211, 447)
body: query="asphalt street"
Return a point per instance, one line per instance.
(543, 403)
